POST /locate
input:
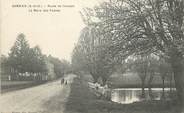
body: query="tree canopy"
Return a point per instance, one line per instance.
(24, 59)
(143, 27)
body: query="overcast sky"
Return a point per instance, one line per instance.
(55, 33)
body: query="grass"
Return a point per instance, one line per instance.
(8, 83)
(131, 80)
(7, 86)
(82, 100)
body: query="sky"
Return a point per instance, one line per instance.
(55, 32)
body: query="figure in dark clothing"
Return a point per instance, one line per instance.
(66, 82)
(62, 81)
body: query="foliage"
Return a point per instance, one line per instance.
(23, 59)
(19, 53)
(61, 67)
(144, 27)
(165, 69)
(4, 65)
(91, 54)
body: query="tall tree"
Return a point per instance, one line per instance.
(141, 67)
(152, 71)
(19, 54)
(61, 67)
(165, 71)
(4, 65)
(39, 60)
(152, 26)
(91, 51)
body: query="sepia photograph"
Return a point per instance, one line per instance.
(92, 56)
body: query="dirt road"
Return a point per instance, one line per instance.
(46, 98)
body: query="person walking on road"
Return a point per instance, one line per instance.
(65, 82)
(62, 81)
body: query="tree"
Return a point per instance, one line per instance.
(165, 70)
(5, 68)
(19, 54)
(79, 61)
(66, 66)
(152, 26)
(145, 66)
(91, 51)
(61, 67)
(39, 60)
(23, 59)
(141, 67)
(152, 70)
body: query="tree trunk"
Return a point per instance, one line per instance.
(143, 91)
(150, 93)
(104, 80)
(179, 83)
(163, 88)
(95, 77)
(150, 86)
(170, 84)
(179, 78)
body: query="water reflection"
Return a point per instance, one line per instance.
(130, 95)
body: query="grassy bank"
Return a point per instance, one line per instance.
(7, 86)
(82, 100)
(132, 80)
(115, 85)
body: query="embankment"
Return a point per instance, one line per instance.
(7, 86)
(82, 100)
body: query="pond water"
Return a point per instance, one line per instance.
(130, 95)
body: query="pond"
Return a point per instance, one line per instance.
(130, 95)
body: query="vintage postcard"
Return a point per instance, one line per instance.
(92, 56)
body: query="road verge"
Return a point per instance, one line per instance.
(82, 100)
